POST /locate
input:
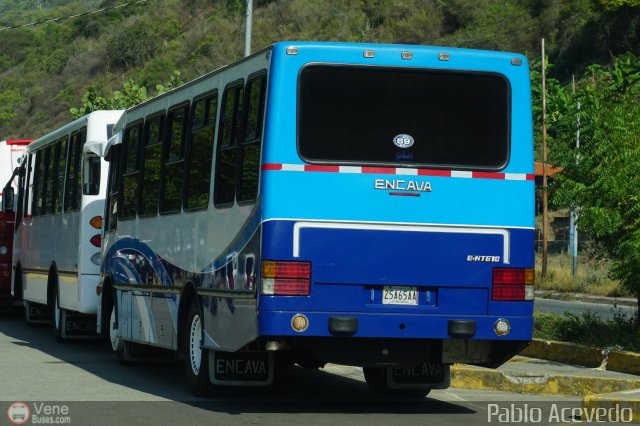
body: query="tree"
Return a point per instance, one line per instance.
(601, 179)
(132, 94)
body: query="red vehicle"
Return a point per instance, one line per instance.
(7, 222)
(10, 153)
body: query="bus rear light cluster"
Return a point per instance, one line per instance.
(96, 222)
(286, 278)
(96, 240)
(513, 285)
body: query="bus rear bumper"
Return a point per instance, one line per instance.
(390, 325)
(396, 339)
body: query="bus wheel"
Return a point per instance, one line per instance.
(376, 378)
(57, 316)
(197, 358)
(117, 344)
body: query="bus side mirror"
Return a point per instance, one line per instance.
(8, 195)
(91, 176)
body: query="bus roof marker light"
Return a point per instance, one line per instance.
(292, 50)
(516, 62)
(444, 56)
(406, 55)
(369, 54)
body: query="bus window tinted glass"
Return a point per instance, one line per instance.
(151, 170)
(225, 179)
(129, 192)
(172, 184)
(452, 119)
(250, 147)
(201, 152)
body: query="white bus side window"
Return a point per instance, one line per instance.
(173, 160)
(130, 167)
(200, 152)
(72, 186)
(251, 144)
(150, 191)
(228, 135)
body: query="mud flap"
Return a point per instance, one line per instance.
(241, 368)
(433, 375)
(77, 325)
(36, 313)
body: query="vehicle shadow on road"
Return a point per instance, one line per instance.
(296, 390)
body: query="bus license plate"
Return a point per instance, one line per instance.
(399, 295)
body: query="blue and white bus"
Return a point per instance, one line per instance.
(359, 204)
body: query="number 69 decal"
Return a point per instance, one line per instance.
(403, 141)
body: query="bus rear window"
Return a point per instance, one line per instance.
(403, 117)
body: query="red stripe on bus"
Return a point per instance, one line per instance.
(316, 168)
(488, 175)
(272, 167)
(531, 177)
(433, 172)
(379, 170)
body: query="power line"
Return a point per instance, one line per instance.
(77, 15)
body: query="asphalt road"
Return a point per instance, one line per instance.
(603, 310)
(82, 383)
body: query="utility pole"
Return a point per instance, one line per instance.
(545, 201)
(248, 24)
(573, 228)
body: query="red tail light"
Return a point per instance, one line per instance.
(286, 278)
(96, 240)
(511, 284)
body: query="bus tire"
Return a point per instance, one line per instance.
(376, 378)
(57, 315)
(196, 357)
(118, 345)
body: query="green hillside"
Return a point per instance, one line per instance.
(51, 51)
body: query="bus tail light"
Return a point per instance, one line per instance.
(96, 240)
(513, 285)
(96, 222)
(286, 278)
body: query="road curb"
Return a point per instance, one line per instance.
(614, 403)
(569, 353)
(624, 362)
(572, 353)
(478, 378)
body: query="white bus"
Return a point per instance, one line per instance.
(60, 200)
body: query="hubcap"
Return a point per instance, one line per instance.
(195, 352)
(113, 334)
(56, 311)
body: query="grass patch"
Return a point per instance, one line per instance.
(592, 276)
(589, 329)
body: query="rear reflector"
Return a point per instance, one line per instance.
(514, 285)
(286, 278)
